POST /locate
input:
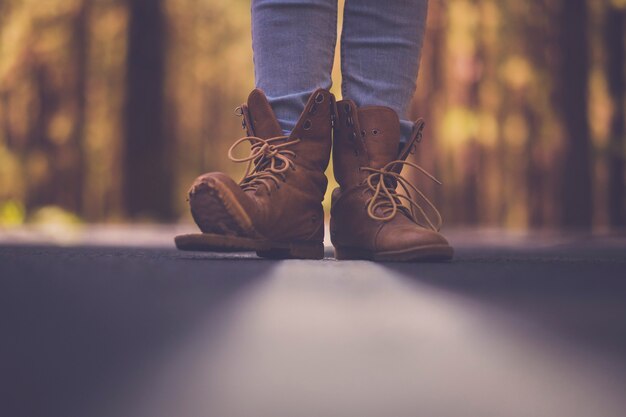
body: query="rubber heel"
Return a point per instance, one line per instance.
(294, 251)
(344, 253)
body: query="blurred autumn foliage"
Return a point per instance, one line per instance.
(110, 108)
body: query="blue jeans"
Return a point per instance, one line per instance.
(294, 46)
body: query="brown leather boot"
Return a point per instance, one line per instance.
(276, 209)
(369, 218)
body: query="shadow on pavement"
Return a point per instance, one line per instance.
(78, 324)
(575, 291)
(105, 331)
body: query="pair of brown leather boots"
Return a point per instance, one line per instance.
(276, 209)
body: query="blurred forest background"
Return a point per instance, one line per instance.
(110, 108)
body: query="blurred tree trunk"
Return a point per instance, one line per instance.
(59, 170)
(473, 152)
(572, 78)
(427, 101)
(73, 181)
(147, 179)
(614, 44)
(539, 44)
(534, 170)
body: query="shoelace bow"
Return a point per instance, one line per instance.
(268, 161)
(383, 182)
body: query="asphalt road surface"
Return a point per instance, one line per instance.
(527, 327)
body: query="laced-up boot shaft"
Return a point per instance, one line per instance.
(277, 204)
(370, 219)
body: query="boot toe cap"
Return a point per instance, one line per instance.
(212, 180)
(411, 238)
(218, 205)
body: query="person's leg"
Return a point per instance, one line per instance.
(294, 45)
(381, 44)
(376, 213)
(276, 209)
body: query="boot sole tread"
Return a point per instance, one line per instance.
(210, 242)
(414, 254)
(216, 211)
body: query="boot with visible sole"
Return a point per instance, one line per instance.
(369, 218)
(276, 209)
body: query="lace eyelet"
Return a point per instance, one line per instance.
(307, 124)
(375, 132)
(319, 98)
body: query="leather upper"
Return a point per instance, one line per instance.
(289, 209)
(369, 137)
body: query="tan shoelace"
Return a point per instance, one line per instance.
(382, 182)
(268, 161)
